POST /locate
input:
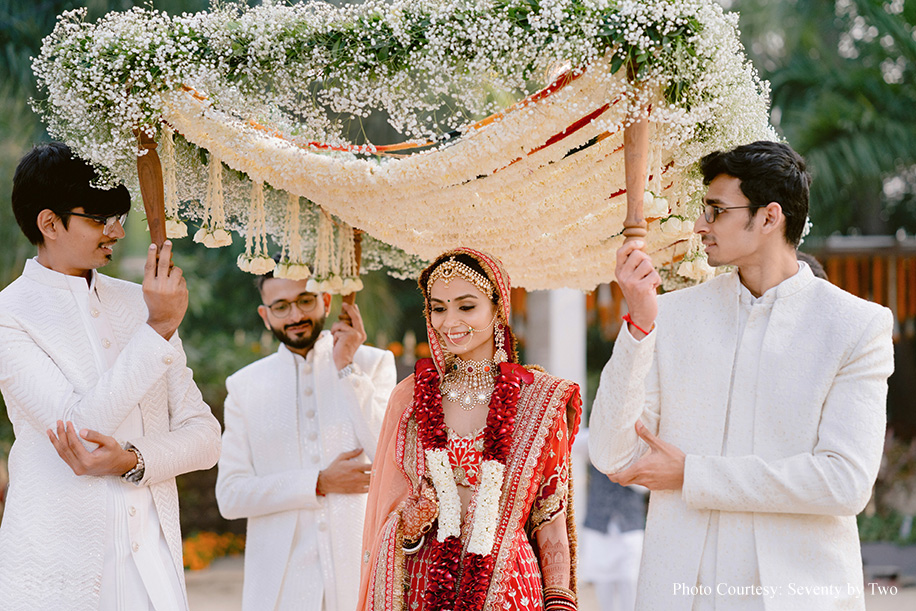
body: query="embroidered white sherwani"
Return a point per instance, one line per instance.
(57, 526)
(288, 417)
(779, 405)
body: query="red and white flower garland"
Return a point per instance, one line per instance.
(453, 582)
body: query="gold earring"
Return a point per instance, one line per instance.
(500, 356)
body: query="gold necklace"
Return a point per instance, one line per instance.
(469, 383)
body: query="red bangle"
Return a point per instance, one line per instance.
(626, 317)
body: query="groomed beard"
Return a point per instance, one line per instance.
(303, 343)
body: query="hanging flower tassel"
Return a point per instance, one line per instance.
(212, 232)
(347, 258)
(291, 265)
(654, 205)
(326, 278)
(174, 226)
(256, 259)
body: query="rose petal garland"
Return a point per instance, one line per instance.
(475, 570)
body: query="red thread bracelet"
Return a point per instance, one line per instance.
(626, 317)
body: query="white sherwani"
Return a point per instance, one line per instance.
(286, 419)
(781, 412)
(53, 537)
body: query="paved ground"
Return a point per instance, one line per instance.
(219, 588)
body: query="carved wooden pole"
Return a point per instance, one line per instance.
(149, 171)
(635, 158)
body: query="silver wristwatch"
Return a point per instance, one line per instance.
(346, 371)
(136, 474)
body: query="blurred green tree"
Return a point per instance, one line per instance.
(843, 78)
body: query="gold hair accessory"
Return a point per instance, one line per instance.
(451, 269)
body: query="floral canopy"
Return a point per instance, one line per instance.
(516, 119)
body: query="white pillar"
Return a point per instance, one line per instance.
(555, 339)
(555, 333)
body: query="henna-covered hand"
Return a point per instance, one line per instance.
(553, 552)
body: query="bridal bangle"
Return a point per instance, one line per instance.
(558, 598)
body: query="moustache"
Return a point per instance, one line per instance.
(297, 324)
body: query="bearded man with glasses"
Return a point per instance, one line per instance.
(104, 409)
(302, 426)
(752, 406)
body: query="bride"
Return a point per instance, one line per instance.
(469, 502)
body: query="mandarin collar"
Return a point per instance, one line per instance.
(43, 275)
(789, 286)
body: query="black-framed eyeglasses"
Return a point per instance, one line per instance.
(107, 221)
(281, 308)
(712, 211)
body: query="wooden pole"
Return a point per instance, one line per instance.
(149, 171)
(636, 158)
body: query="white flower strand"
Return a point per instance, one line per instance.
(174, 226)
(349, 269)
(212, 232)
(486, 513)
(440, 471)
(256, 259)
(291, 265)
(326, 278)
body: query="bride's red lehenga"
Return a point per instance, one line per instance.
(536, 487)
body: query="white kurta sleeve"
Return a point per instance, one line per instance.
(835, 478)
(627, 392)
(34, 383)
(364, 394)
(191, 441)
(240, 491)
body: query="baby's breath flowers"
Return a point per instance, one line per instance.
(273, 93)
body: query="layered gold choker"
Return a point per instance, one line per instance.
(469, 383)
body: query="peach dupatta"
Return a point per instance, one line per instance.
(386, 499)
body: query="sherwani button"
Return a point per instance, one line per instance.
(307, 368)
(308, 391)
(310, 413)
(95, 313)
(106, 343)
(312, 436)
(132, 510)
(136, 547)
(315, 458)
(322, 526)
(167, 360)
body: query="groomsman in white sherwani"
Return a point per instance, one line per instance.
(752, 406)
(301, 430)
(104, 409)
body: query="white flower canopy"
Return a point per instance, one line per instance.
(546, 183)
